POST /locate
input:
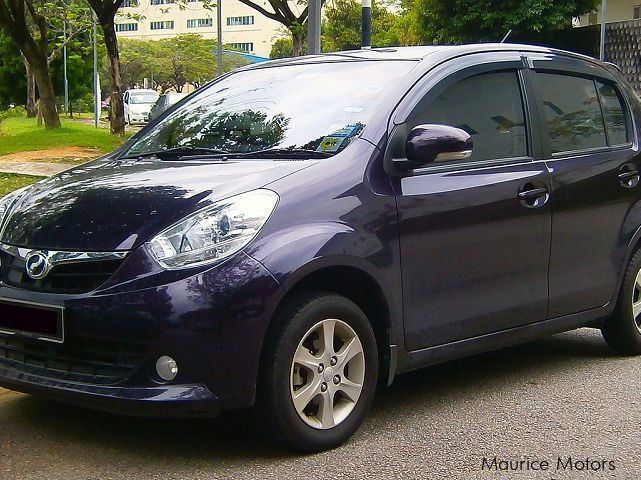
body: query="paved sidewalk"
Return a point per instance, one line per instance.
(44, 163)
(40, 169)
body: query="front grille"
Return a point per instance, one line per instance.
(65, 278)
(90, 360)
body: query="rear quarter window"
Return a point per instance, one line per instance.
(615, 114)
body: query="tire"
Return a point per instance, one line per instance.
(622, 331)
(299, 330)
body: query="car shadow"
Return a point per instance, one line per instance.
(234, 438)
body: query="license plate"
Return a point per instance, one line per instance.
(35, 320)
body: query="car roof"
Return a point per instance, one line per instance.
(141, 90)
(418, 53)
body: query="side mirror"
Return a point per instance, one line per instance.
(429, 143)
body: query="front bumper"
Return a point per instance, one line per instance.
(211, 322)
(138, 119)
(159, 401)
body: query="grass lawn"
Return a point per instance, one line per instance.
(22, 134)
(12, 181)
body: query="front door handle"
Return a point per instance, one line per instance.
(534, 197)
(629, 179)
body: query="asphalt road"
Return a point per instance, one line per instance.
(566, 396)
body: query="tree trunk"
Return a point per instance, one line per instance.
(298, 44)
(47, 94)
(117, 118)
(31, 89)
(38, 114)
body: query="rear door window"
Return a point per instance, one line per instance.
(572, 112)
(615, 114)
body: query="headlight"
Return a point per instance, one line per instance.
(215, 232)
(7, 202)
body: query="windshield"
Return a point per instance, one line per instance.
(315, 107)
(141, 98)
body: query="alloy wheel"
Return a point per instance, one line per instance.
(327, 374)
(636, 301)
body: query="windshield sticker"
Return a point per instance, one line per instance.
(330, 144)
(338, 138)
(353, 109)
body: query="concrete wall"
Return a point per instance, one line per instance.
(617, 11)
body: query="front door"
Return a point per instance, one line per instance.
(475, 235)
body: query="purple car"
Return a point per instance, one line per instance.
(298, 232)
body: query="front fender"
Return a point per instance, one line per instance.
(294, 253)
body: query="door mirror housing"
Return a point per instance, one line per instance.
(430, 143)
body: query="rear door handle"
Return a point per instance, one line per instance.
(534, 197)
(629, 179)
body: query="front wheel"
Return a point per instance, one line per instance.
(622, 331)
(320, 372)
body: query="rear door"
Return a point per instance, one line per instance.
(593, 160)
(475, 235)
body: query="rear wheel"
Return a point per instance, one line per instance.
(320, 372)
(622, 331)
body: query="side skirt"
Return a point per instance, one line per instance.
(505, 338)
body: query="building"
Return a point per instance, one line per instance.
(243, 27)
(622, 37)
(617, 11)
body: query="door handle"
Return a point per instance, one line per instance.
(534, 193)
(534, 197)
(629, 179)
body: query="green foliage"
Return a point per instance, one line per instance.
(11, 181)
(79, 70)
(175, 61)
(22, 134)
(282, 48)
(13, 112)
(342, 26)
(12, 73)
(461, 21)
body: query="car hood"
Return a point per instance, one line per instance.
(118, 205)
(140, 108)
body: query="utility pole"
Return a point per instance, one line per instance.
(604, 8)
(64, 61)
(366, 29)
(96, 84)
(314, 27)
(219, 22)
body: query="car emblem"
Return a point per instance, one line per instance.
(37, 265)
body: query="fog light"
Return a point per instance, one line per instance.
(166, 368)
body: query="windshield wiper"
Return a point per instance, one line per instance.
(177, 153)
(296, 153)
(187, 153)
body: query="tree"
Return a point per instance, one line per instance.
(105, 11)
(461, 21)
(175, 61)
(79, 70)
(69, 16)
(15, 19)
(342, 26)
(282, 13)
(282, 48)
(12, 79)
